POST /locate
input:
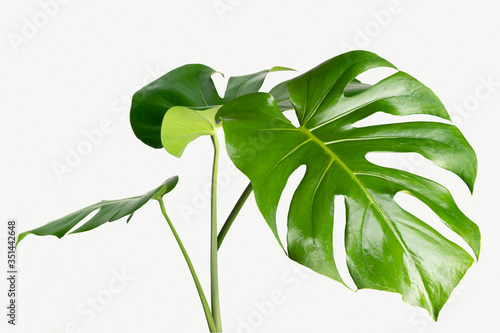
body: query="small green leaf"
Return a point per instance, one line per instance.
(182, 125)
(109, 211)
(241, 85)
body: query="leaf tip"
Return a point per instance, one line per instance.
(217, 72)
(21, 237)
(165, 188)
(281, 68)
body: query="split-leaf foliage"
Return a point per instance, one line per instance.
(387, 247)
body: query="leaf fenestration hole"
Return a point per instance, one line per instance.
(419, 165)
(83, 221)
(291, 115)
(285, 201)
(339, 252)
(382, 118)
(374, 75)
(417, 208)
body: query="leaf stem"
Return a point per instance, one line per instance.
(204, 303)
(232, 216)
(214, 274)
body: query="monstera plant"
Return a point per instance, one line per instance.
(387, 247)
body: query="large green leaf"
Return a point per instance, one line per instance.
(387, 247)
(108, 211)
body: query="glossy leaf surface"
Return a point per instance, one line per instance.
(190, 86)
(108, 211)
(387, 247)
(282, 97)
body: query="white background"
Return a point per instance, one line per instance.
(80, 67)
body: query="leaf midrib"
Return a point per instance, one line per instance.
(334, 157)
(322, 145)
(327, 92)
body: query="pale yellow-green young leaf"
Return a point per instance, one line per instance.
(181, 125)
